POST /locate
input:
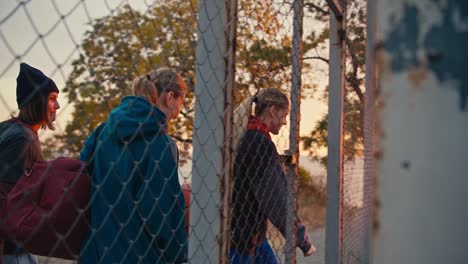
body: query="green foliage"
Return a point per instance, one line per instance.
(263, 48)
(315, 193)
(304, 178)
(118, 48)
(316, 142)
(128, 43)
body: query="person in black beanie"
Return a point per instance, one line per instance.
(36, 95)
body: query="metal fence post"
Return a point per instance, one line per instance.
(226, 180)
(335, 141)
(422, 132)
(209, 134)
(295, 118)
(369, 130)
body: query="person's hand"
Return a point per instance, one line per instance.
(311, 251)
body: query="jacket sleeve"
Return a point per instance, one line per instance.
(16, 154)
(162, 204)
(89, 145)
(270, 189)
(85, 153)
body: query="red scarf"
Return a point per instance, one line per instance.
(258, 125)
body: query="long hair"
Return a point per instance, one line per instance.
(263, 100)
(241, 117)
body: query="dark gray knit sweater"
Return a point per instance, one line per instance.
(259, 194)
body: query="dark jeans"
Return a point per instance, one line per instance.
(263, 255)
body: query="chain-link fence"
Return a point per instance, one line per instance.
(353, 219)
(357, 184)
(94, 50)
(241, 188)
(349, 162)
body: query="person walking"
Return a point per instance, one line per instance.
(260, 183)
(36, 95)
(137, 211)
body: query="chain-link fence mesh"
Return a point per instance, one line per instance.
(356, 203)
(93, 50)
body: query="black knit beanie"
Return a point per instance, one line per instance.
(30, 83)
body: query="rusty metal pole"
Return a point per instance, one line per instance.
(226, 179)
(369, 130)
(333, 239)
(295, 118)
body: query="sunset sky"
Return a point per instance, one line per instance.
(60, 47)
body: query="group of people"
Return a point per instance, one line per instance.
(137, 207)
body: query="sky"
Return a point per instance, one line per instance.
(21, 26)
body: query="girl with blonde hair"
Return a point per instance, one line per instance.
(137, 205)
(260, 182)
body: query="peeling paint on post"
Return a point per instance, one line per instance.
(422, 178)
(418, 40)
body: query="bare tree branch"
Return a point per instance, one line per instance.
(353, 78)
(186, 113)
(316, 58)
(312, 7)
(353, 81)
(182, 140)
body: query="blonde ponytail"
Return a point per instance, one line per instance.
(158, 81)
(241, 117)
(143, 86)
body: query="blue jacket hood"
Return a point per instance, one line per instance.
(136, 117)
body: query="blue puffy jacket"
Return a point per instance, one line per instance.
(137, 205)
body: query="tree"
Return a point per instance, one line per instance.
(264, 41)
(317, 140)
(128, 43)
(120, 47)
